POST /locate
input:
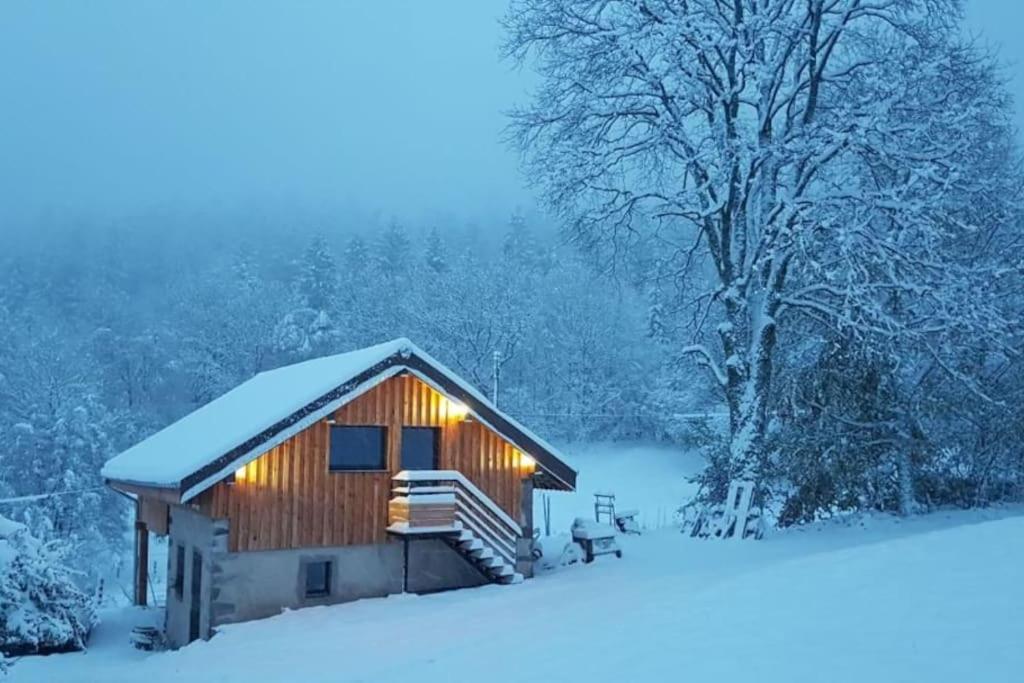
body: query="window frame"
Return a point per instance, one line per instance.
(360, 468)
(328, 579)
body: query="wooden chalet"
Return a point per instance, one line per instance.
(364, 474)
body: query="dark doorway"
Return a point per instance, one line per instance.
(194, 596)
(420, 447)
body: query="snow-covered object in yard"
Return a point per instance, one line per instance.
(586, 529)
(41, 608)
(595, 539)
(212, 442)
(626, 522)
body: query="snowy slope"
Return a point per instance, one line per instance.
(651, 479)
(934, 598)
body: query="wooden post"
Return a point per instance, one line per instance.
(526, 506)
(524, 545)
(141, 562)
(405, 564)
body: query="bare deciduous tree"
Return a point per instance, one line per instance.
(811, 157)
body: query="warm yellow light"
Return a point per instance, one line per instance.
(240, 473)
(526, 462)
(457, 411)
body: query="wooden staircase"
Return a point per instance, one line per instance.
(445, 504)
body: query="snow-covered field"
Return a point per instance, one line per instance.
(934, 598)
(649, 479)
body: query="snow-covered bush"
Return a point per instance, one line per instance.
(64, 437)
(41, 608)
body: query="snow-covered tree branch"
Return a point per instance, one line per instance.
(826, 159)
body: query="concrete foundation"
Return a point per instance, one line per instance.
(434, 566)
(256, 584)
(249, 585)
(202, 538)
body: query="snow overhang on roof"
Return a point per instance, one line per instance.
(207, 445)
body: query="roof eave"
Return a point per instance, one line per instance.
(165, 493)
(561, 473)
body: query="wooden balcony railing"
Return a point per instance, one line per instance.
(445, 501)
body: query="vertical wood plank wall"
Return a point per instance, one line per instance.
(287, 498)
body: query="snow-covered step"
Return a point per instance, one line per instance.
(511, 579)
(490, 562)
(504, 570)
(471, 545)
(494, 563)
(482, 554)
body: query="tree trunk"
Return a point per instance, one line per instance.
(748, 389)
(750, 421)
(905, 472)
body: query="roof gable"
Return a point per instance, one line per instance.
(205, 446)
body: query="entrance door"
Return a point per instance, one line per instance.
(420, 448)
(194, 596)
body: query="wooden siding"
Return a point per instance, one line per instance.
(287, 498)
(154, 513)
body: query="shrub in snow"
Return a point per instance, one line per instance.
(41, 608)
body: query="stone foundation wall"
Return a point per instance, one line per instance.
(256, 584)
(196, 533)
(249, 585)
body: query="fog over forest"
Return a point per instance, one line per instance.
(193, 193)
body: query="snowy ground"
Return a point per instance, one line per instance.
(935, 598)
(649, 479)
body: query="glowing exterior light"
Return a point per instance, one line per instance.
(527, 462)
(457, 411)
(240, 473)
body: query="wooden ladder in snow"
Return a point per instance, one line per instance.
(445, 504)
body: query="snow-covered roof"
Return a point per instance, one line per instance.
(206, 445)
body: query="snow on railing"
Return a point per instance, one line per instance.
(456, 476)
(474, 510)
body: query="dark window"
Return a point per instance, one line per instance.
(318, 579)
(358, 448)
(194, 598)
(179, 571)
(419, 448)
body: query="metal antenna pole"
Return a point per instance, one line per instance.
(495, 372)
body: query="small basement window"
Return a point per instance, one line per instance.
(318, 579)
(358, 448)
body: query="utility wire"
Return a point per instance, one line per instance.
(43, 496)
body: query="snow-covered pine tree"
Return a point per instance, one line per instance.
(436, 257)
(393, 250)
(309, 328)
(521, 248)
(317, 283)
(356, 257)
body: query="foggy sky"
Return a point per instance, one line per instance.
(113, 107)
